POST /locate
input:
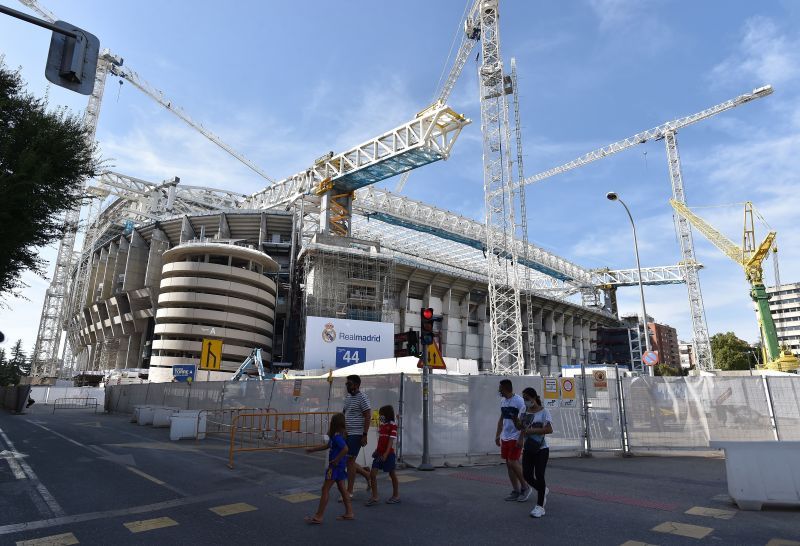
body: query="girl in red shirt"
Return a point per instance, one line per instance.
(384, 457)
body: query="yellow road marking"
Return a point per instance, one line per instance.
(683, 529)
(636, 543)
(54, 540)
(782, 542)
(405, 478)
(145, 475)
(711, 512)
(150, 524)
(231, 509)
(299, 497)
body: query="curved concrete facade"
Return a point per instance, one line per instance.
(217, 291)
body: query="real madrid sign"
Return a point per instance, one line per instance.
(335, 343)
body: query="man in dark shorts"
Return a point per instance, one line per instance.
(357, 414)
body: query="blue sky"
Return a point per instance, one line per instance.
(285, 82)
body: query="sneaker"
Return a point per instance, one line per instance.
(525, 494)
(513, 496)
(537, 511)
(546, 492)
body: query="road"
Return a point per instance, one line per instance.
(82, 478)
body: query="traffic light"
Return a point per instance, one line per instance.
(427, 326)
(413, 343)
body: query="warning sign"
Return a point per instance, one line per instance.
(600, 379)
(298, 384)
(550, 392)
(567, 392)
(211, 354)
(435, 360)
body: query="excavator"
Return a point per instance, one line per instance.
(750, 257)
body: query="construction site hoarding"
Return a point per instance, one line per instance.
(336, 343)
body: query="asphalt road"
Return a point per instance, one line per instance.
(97, 479)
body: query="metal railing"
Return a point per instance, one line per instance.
(268, 431)
(75, 403)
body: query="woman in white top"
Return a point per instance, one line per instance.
(535, 424)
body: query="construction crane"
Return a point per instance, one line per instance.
(750, 257)
(668, 131)
(468, 41)
(499, 195)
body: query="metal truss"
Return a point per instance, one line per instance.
(668, 274)
(702, 342)
(427, 138)
(656, 133)
(391, 208)
(504, 306)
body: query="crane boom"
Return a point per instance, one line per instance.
(464, 51)
(130, 76)
(655, 133)
(728, 247)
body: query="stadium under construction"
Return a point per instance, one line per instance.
(164, 266)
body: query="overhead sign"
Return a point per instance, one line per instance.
(211, 355)
(567, 392)
(184, 372)
(336, 343)
(600, 379)
(435, 360)
(650, 358)
(550, 392)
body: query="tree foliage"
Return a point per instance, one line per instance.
(14, 365)
(45, 156)
(730, 352)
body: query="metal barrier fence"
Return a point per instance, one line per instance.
(269, 431)
(46, 395)
(75, 403)
(636, 414)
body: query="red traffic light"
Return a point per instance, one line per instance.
(427, 313)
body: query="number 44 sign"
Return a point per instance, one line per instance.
(346, 356)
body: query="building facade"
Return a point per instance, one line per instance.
(686, 351)
(784, 304)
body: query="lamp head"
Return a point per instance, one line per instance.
(611, 196)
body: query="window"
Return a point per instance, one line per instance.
(219, 260)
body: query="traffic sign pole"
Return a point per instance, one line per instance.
(426, 456)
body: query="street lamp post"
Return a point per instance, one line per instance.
(612, 196)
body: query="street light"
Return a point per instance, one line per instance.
(612, 196)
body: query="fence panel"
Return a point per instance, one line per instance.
(688, 412)
(604, 417)
(785, 394)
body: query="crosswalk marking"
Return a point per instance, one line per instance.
(636, 543)
(710, 512)
(231, 509)
(64, 539)
(683, 529)
(150, 524)
(299, 497)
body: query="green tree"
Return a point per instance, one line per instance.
(9, 374)
(730, 352)
(19, 359)
(45, 156)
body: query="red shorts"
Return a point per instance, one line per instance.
(509, 450)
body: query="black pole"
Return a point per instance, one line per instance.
(38, 22)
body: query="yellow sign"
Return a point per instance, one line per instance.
(435, 360)
(550, 392)
(211, 356)
(600, 379)
(567, 392)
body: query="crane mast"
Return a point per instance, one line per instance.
(504, 307)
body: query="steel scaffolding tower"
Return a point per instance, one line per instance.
(504, 309)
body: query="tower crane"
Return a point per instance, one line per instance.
(750, 257)
(668, 132)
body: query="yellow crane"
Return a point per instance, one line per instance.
(750, 257)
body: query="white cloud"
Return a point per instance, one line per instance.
(764, 55)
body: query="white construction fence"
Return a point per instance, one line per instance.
(633, 414)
